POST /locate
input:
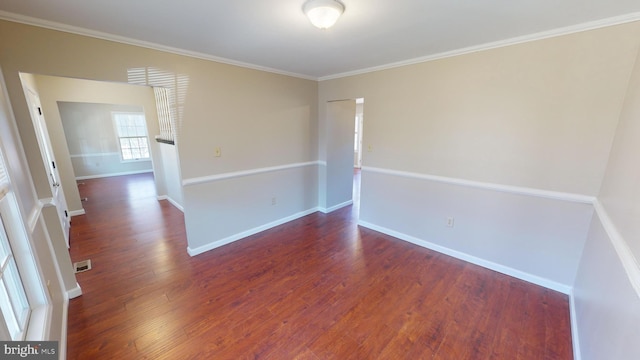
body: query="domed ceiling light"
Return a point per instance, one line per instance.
(323, 13)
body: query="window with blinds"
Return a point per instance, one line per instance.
(165, 115)
(170, 91)
(131, 129)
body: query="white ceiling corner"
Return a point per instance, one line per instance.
(275, 36)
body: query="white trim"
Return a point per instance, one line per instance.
(34, 215)
(336, 207)
(173, 202)
(73, 213)
(534, 279)
(62, 289)
(94, 154)
(520, 190)
(39, 323)
(236, 174)
(28, 20)
(627, 258)
(236, 237)
(75, 292)
(46, 202)
(592, 25)
(575, 339)
(113, 174)
(62, 349)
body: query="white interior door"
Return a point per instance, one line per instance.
(46, 150)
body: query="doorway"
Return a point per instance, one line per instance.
(343, 153)
(55, 91)
(50, 163)
(99, 138)
(357, 153)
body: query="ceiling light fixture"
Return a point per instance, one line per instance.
(323, 13)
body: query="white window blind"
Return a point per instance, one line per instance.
(170, 91)
(165, 115)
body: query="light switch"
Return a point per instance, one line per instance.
(218, 151)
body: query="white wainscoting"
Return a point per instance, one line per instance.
(98, 176)
(531, 234)
(605, 301)
(223, 208)
(238, 236)
(99, 165)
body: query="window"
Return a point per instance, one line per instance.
(13, 299)
(131, 129)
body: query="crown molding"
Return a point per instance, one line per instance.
(28, 20)
(592, 25)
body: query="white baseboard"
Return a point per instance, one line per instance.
(173, 202)
(565, 289)
(575, 338)
(204, 248)
(73, 213)
(98, 176)
(75, 292)
(336, 207)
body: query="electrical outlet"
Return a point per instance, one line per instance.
(274, 200)
(450, 220)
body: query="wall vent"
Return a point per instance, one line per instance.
(81, 266)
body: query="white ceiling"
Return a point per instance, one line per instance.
(275, 35)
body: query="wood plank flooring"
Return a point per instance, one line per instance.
(316, 288)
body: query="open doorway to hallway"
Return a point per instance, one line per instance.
(357, 153)
(82, 112)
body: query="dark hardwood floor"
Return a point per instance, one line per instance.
(316, 288)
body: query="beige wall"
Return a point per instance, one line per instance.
(540, 114)
(258, 119)
(620, 193)
(502, 140)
